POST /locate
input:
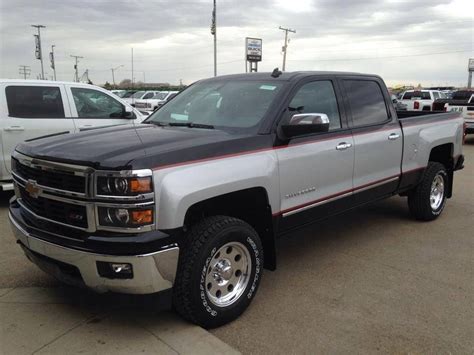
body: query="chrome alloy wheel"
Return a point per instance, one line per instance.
(228, 274)
(437, 192)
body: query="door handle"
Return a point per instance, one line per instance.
(343, 146)
(393, 136)
(14, 128)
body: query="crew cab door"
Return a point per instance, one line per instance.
(378, 139)
(92, 108)
(315, 169)
(31, 111)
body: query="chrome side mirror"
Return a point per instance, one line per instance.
(306, 123)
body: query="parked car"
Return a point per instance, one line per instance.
(139, 95)
(156, 101)
(34, 108)
(421, 100)
(194, 199)
(466, 108)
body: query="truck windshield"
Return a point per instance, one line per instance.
(232, 104)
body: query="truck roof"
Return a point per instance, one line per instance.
(287, 76)
(36, 82)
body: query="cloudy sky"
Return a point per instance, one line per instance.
(406, 42)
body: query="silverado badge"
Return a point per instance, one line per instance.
(32, 188)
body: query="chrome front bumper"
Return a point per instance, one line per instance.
(151, 272)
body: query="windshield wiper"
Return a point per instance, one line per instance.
(191, 125)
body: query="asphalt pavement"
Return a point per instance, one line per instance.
(369, 281)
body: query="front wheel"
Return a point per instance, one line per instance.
(427, 200)
(219, 271)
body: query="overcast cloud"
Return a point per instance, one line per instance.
(406, 42)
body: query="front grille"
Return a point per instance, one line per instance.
(55, 210)
(55, 179)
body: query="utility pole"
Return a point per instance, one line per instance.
(132, 69)
(39, 54)
(214, 33)
(113, 76)
(53, 63)
(285, 46)
(76, 57)
(25, 71)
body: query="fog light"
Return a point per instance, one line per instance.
(122, 268)
(115, 270)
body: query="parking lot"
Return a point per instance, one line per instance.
(373, 280)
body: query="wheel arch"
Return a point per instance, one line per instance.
(250, 205)
(444, 154)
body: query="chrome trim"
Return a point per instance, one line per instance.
(298, 210)
(152, 272)
(355, 191)
(19, 200)
(90, 194)
(47, 188)
(375, 185)
(50, 165)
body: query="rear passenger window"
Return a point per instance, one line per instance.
(34, 102)
(366, 101)
(317, 97)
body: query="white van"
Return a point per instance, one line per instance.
(35, 108)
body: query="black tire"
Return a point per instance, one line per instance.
(419, 198)
(198, 255)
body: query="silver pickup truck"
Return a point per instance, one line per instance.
(192, 200)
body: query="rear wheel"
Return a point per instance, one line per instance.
(427, 200)
(219, 271)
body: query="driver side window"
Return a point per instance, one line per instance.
(95, 104)
(317, 97)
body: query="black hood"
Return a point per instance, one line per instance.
(141, 147)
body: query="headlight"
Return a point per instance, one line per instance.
(123, 186)
(125, 217)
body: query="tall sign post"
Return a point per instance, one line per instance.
(51, 58)
(253, 53)
(470, 69)
(38, 51)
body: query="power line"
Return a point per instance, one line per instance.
(76, 70)
(285, 46)
(25, 71)
(387, 57)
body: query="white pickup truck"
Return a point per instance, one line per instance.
(32, 108)
(466, 109)
(421, 100)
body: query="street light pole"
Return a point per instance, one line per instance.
(40, 53)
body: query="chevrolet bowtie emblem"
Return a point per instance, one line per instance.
(32, 188)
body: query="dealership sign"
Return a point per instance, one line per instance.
(253, 49)
(471, 64)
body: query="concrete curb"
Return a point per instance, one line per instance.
(65, 320)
